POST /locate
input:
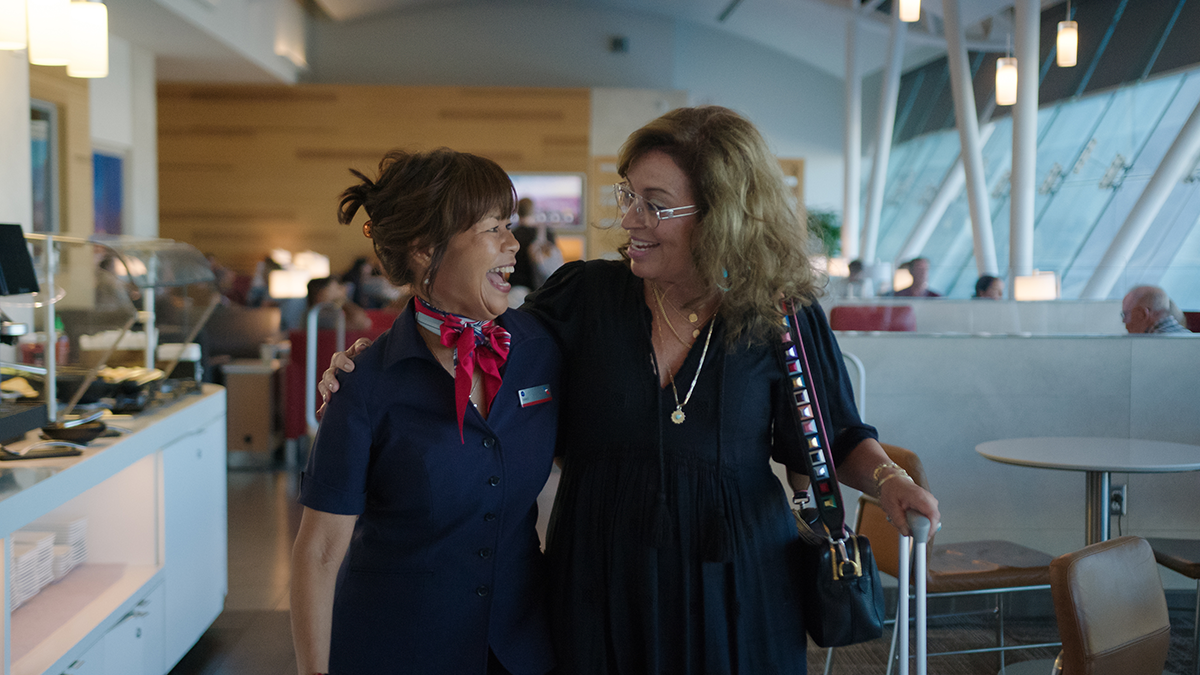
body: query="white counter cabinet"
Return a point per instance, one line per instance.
(155, 577)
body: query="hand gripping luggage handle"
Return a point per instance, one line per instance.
(919, 525)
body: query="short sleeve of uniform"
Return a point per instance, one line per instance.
(335, 480)
(557, 303)
(834, 394)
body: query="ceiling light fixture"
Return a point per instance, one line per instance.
(1068, 40)
(1006, 79)
(48, 41)
(88, 32)
(12, 24)
(910, 10)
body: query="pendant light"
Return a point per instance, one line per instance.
(1006, 79)
(12, 24)
(910, 10)
(1068, 40)
(88, 30)
(48, 42)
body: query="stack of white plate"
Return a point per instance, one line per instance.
(33, 564)
(64, 561)
(70, 532)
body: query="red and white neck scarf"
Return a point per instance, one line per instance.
(475, 342)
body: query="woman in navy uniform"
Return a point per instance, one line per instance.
(417, 550)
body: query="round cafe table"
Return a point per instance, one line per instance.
(1099, 458)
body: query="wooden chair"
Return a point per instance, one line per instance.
(1183, 556)
(987, 567)
(1112, 614)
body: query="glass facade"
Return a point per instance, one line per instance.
(1095, 155)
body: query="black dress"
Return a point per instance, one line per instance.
(669, 544)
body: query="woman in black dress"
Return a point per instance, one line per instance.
(668, 544)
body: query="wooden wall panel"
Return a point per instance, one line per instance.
(243, 169)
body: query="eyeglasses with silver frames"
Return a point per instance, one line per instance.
(628, 199)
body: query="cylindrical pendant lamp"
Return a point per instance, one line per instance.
(12, 24)
(1068, 43)
(88, 30)
(1006, 80)
(910, 10)
(48, 41)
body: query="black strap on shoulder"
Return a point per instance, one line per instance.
(818, 458)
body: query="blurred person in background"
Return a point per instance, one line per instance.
(329, 289)
(919, 268)
(989, 288)
(1147, 310)
(538, 257)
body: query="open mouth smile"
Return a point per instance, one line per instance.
(498, 276)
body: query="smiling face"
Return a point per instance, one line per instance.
(473, 277)
(660, 253)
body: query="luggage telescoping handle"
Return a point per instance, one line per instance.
(919, 526)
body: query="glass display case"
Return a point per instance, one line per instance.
(113, 322)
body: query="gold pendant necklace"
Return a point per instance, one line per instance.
(691, 317)
(663, 312)
(678, 417)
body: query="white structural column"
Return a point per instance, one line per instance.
(968, 135)
(949, 191)
(853, 141)
(1177, 162)
(1024, 172)
(883, 140)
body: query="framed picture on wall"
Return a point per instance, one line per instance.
(43, 134)
(108, 171)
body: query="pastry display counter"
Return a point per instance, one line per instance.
(155, 575)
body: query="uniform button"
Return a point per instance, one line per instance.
(485, 553)
(489, 442)
(482, 591)
(489, 517)
(494, 481)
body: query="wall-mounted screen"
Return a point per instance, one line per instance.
(557, 197)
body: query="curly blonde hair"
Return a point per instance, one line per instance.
(748, 240)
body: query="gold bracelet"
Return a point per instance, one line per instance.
(900, 473)
(881, 467)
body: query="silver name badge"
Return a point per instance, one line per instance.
(534, 395)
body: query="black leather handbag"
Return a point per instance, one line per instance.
(842, 598)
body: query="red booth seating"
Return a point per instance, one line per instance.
(294, 425)
(893, 318)
(1192, 321)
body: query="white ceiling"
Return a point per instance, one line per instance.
(813, 31)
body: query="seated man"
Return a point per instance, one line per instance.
(1147, 309)
(919, 268)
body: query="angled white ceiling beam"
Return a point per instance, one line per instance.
(965, 119)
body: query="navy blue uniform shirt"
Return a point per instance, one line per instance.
(445, 560)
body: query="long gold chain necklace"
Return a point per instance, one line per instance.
(663, 312)
(678, 416)
(692, 317)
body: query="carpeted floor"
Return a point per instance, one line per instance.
(253, 635)
(871, 658)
